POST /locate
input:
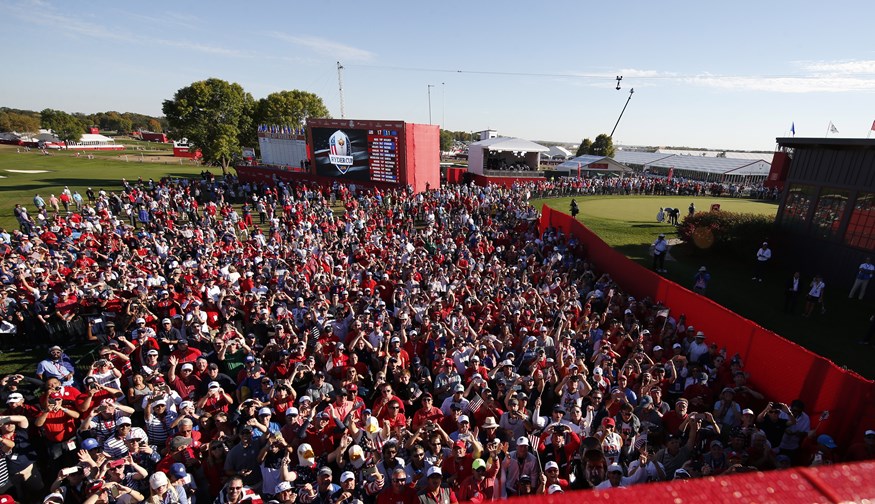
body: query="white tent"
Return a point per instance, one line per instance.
(506, 148)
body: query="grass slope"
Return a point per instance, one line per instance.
(628, 223)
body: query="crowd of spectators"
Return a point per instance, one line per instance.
(373, 346)
(502, 164)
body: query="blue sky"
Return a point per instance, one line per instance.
(720, 75)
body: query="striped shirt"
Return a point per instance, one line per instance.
(159, 430)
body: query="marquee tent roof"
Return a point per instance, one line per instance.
(588, 159)
(638, 157)
(712, 165)
(508, 144)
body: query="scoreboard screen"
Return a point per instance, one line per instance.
(365, 154)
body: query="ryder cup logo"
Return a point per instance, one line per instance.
(340, 151)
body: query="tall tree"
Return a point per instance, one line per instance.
(66, 127)
(603, 146)
(446, 140)
(215, 115)
(18, 122)
(290, 108)
(585, 147)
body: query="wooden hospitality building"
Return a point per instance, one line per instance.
(827, 210)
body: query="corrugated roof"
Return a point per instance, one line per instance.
(713, 165)
(638, 157)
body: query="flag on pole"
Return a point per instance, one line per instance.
(873, 126)
(670, 173)
(662, 313)
(475, 404)
(534, 441)
(832, 128)
(793, 128)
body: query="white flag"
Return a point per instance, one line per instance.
(832, 128)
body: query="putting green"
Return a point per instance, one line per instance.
(644, 208)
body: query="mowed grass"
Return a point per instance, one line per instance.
(62, 168)
(628, 223)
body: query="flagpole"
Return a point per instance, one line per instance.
(827, 129)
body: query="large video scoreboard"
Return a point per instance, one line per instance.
(367, 151)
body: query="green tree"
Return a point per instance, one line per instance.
(18, 122)
(290, 108)
(155, 125)
(585, 147)
(603, 146)
(66, 127)
(215, 116)
(446, 140)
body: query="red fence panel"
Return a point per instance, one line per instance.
(779, 368)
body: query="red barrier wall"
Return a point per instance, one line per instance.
(456, 175)
(779, 368)
(837, 483)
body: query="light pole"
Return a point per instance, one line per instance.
(443, 105)
(429, 102)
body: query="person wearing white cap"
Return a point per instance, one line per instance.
(764, 255)
(523, 461)
(616, 479)
(434, 491)
(348, 490)
(458, 398)
(659, 250)
(864, 450)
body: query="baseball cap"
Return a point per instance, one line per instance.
(478, 464)
(325, 470)
(177, 470)
(554, 489)
(123, 421)
(90, 444)
(615, 468)
(459, 388)
(748, 411)
(187, 366)
(827, 440)
(551, 465)
(346, 476)
(264, 411)
(283, 486)
(464, 419)
(157, 480)
(292, 411)
(609, 421)
(657, 348)
(522, 441)
(434, 470)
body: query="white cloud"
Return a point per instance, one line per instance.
(325, 47)
(839, 67)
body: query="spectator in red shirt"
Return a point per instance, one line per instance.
(481, 485)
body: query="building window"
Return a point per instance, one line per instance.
(798, 204)
(861, 226)
(828, 215)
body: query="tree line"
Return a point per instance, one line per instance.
(30, 121)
